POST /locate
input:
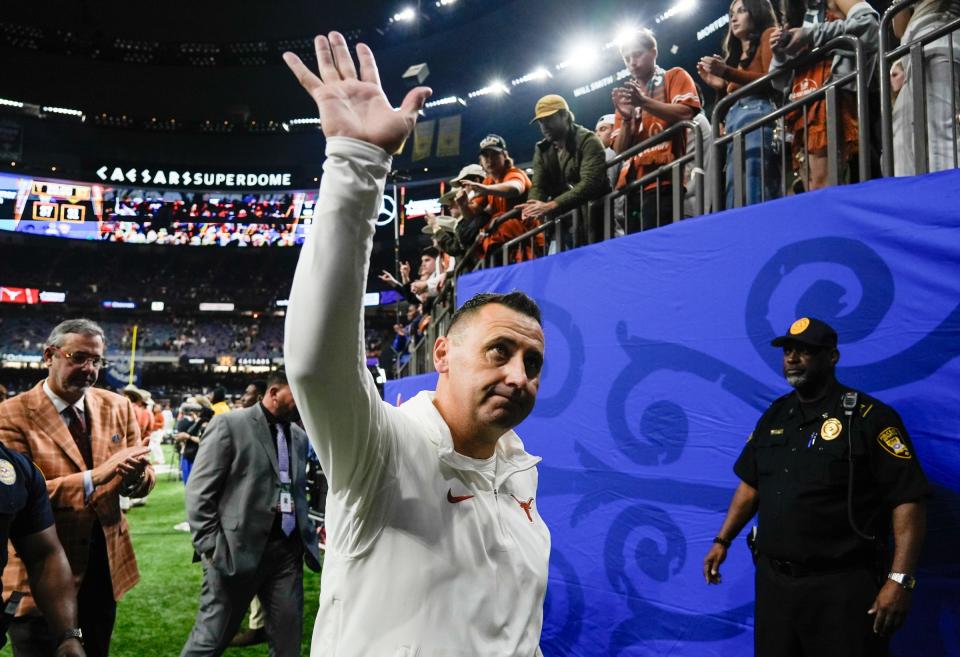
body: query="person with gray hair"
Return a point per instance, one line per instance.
(87, 443)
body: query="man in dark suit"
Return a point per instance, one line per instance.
(87, 443)
(247, 508)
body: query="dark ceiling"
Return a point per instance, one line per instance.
(465, 45)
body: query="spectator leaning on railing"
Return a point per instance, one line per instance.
(651, 101)
(505, 187)
(810, 25)
(747, 55)
(569, 167)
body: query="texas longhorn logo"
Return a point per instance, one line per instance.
(526, 506)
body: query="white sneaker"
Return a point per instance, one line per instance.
(182, 526)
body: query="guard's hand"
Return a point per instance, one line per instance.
(107, 470)
(890, 608)
(70, 648)
(711, 563)
(351, 105)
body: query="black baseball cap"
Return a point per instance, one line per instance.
(493, 143)
(808, 330)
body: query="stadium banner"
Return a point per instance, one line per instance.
(448, 136)
(659, 364)
(422, 140)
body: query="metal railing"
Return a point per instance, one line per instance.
(565, 231)
(915, 52)
(860, 77)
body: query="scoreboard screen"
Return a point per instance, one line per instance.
(98, 212)
(51, 207)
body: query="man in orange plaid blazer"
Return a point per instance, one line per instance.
(87, 443)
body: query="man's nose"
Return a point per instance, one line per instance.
(516, 372)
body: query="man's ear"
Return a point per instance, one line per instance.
(47, 356)
(441, 352)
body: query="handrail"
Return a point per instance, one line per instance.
(915, 48)
(554, 222)
(859, 74)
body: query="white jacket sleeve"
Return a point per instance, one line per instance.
(324, 343)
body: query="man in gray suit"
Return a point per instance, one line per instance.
(247, 508)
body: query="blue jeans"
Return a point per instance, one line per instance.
(761, 162)
(186, 465)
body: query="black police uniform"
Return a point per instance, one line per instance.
(816, 578)
(24, 505)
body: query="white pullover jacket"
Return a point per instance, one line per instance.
(429, 553)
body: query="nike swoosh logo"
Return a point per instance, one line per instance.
(454, 499)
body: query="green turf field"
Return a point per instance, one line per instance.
(155, 617)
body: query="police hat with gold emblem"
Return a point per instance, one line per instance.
(808, 330)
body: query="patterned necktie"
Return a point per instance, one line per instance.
(78, 431)
(287, 520)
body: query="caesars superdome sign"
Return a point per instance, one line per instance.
(199, 179)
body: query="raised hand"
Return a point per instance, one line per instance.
(352, 106)
(388, 278)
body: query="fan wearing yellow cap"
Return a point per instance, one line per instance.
(569, 164)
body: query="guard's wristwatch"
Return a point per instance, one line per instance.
(74, 633)
(906, 581)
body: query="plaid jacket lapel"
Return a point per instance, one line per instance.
(51, 424)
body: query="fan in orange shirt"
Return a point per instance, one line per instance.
(504, 188)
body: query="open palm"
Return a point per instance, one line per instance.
(351, 105)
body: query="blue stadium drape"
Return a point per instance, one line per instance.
(658, 365)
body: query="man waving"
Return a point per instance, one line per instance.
(436, 543)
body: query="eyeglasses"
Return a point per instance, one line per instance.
(81, 358)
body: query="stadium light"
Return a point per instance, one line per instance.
(405, 15)
(624, 35)
(536, 74)
(62, 110)
(448, 100)
(10, 103)
(445, 3)
(495, 88)
(582, 57)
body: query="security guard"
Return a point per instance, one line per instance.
(831, 472)
(27, 520)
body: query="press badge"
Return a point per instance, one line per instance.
(286, 500)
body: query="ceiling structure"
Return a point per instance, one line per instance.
(214, 67)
